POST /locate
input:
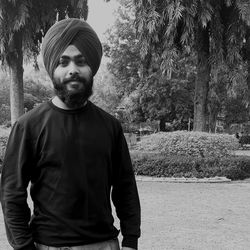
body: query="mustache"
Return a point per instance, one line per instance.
(75, 78)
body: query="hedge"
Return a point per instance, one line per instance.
(244, 139)
(159, 165)
(194, 144)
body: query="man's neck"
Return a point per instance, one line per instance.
(60, 104)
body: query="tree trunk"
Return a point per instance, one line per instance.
(248, 77)
(212, 121)
(162, 125)
(202, 80)
(15, 63)
(248, 61)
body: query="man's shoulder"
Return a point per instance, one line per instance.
(107, 118)
(105, 114)
(34, 115)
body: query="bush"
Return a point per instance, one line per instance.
(4, 134)
(184, 143)
(244, 139)
(5, 114)
(159, 165)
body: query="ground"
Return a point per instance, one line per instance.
(190, 216)
(194, 216)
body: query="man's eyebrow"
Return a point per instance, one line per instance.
(74, 57)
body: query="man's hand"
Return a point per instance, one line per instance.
(127, 248)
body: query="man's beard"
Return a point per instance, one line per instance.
(74, 99)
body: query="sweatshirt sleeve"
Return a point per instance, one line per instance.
(125, 195)
(14, 182)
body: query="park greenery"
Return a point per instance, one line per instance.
(189, 154)
(164, 71)
(195, 144)
(217, 32)
(184, 65)
(158, 165)
(22, 25)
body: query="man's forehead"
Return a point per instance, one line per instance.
(71, 51)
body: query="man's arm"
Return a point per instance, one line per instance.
(14, 181)
(125, 195)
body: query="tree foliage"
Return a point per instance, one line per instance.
(23, 24)
(35, 91)
(33, 19)
(122, 48)
(151, 96)
(215, 30)
(168, 100)
(105, 91)
(165, 26)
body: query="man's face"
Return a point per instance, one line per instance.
(73, 78)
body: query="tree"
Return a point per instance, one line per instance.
(105, 91)
(214, 30)
(235, 111)
(167, 100)
(152, 95)
(226, 89)
(122, 48)
(35, 91)
(22, 25)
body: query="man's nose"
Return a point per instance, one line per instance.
(73, 69)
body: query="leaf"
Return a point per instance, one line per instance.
(22, 16)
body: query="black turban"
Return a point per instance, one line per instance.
(71, 31)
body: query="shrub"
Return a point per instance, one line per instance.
(159, 165)
(184, 143)
(4, 134)
(238, 167)
(5, 114)
(244, 139)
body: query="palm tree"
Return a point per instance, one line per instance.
(214, 29)
(22, 26)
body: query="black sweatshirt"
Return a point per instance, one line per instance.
(74, 160)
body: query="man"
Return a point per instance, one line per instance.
(74, 155)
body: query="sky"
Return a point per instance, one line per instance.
(101, 15)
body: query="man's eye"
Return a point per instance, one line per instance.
(81, 61)
(63, 62)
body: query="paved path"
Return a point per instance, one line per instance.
(190, 216)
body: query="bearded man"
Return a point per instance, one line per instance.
(74, 156)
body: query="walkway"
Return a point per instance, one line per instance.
(190, 216)
(195, 216)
